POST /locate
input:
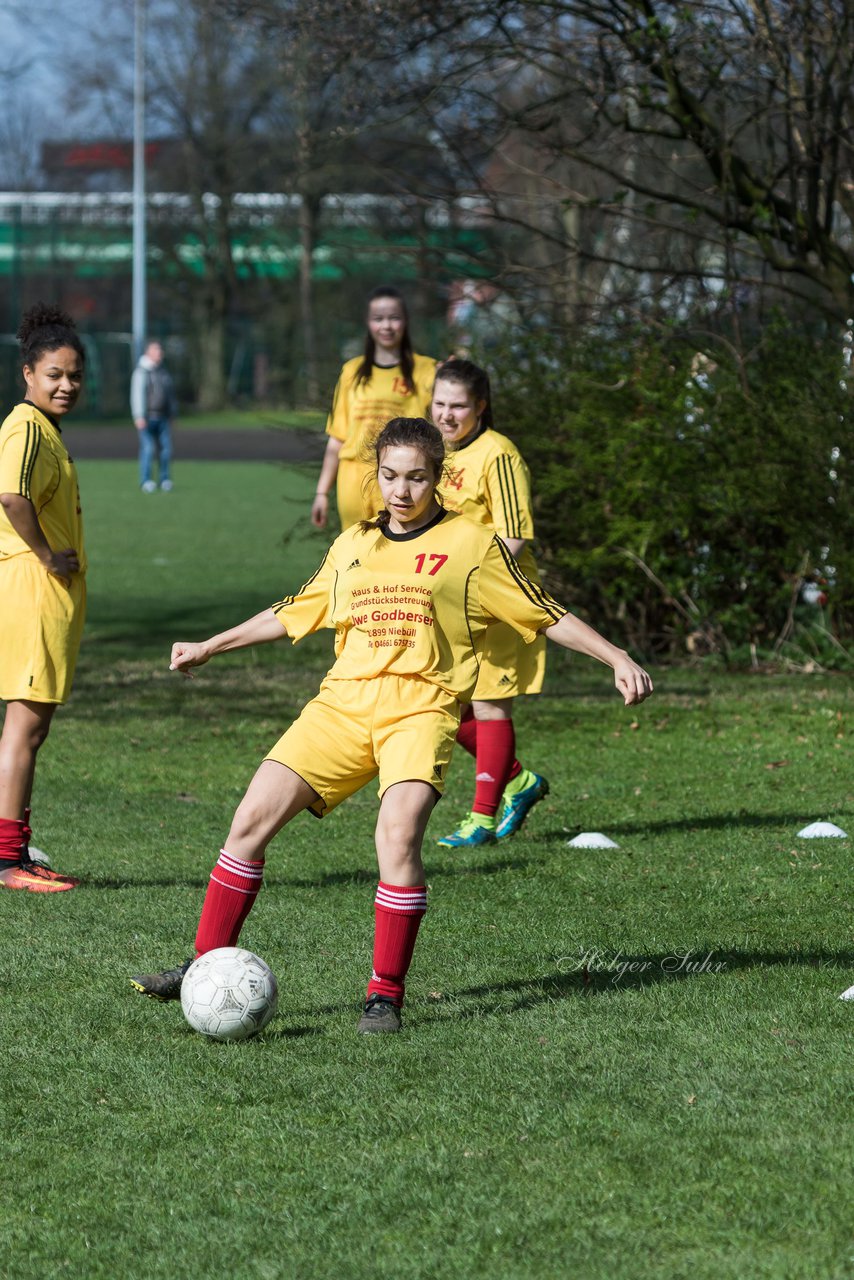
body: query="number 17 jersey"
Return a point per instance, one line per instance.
(417, 604)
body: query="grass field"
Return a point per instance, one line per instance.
(228, 420)
(617, 1065)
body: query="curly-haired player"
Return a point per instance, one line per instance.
(42, 577)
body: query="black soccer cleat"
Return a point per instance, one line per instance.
(380, 1014)
(165, 985)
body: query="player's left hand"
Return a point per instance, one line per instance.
(185, 655)
(632, 682)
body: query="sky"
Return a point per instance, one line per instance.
(45, 50)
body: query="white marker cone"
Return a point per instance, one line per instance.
(819, 830)
(592, 840)
(847, 995)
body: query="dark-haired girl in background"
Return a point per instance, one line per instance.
(42, 577)
(388, 381)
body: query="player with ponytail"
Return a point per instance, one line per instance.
(487, 480)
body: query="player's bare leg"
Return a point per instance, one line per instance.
(25, 728)
(404, 813)
(274, 796)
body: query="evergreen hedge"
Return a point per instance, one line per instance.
(683, 501)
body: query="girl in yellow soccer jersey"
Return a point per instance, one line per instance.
(487, 480)
(42, 577)
(390, 380)
(410, 596)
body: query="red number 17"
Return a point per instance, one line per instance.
(419, 563)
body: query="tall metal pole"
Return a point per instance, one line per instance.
(140, 301)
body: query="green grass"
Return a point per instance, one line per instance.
(229, 420)
(532, 1120)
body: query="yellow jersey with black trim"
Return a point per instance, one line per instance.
(35, 464)
(360, 411)
(488, 480)
(417, 604)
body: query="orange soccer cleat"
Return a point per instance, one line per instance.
(35, 879)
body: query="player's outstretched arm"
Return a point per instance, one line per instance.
(263, 628)
(630, 679)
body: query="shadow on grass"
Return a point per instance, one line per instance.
(711, 822)
(132, 883)
(442, 869)
(600, 973)
(324, 880)
(289, 1033)
(717, 822)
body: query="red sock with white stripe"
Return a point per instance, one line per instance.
(496, 755)
(233, 888)
(398, 912)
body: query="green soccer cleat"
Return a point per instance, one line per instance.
(468, 835)
(380, 1014)
(161, 986)
(517, 807)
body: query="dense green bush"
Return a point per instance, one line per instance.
(683, 497)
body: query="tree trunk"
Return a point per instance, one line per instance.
(211, 391)
(307, 235)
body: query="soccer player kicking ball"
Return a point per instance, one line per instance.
(410, 595)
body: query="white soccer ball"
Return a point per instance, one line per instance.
(229, 994)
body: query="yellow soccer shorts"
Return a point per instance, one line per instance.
(395, 728)
(357, 492)
(41, 623)
(508, 666)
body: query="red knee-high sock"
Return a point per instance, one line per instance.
(399, 910)
(515, 770)
(496, 752)
(467, 733)
(233, 887)
(12, 842)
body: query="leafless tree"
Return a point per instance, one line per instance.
(701, 144)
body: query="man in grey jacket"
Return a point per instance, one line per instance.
(153, 407)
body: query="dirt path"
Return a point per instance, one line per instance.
(246, 445)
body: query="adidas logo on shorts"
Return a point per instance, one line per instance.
(504, 680)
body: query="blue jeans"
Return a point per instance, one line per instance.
(156, 436)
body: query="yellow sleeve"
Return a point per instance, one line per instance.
(338, 421)
(310, 608)
(508, 485)
(507, 595)
(26, 463)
